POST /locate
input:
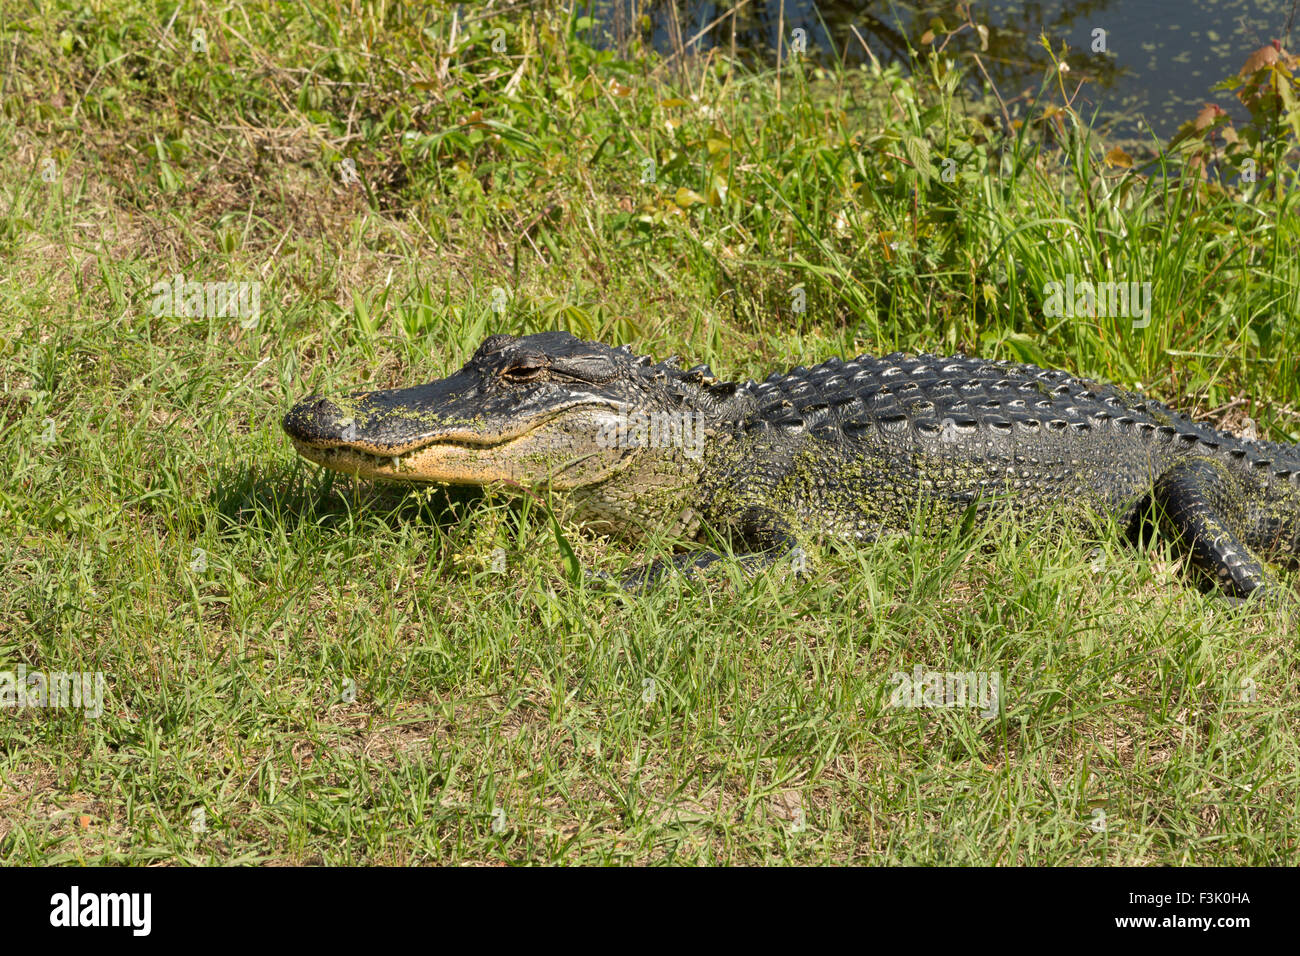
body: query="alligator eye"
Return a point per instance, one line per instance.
(523, 373)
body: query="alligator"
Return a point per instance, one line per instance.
(628, 446)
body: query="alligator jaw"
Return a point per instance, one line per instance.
(451, 460)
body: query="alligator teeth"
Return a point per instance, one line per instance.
(395, 462)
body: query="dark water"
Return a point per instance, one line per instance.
(1162, 58)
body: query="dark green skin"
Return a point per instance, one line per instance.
(854, 449)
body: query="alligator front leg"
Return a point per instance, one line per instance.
(1201, 506)
(767, 541)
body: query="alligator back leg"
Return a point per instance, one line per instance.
(1203, 505)
(1273, 520)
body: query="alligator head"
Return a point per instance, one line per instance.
(541, 410)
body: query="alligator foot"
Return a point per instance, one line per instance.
(784, 551)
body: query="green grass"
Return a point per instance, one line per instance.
(341, 673)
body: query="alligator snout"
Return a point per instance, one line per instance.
(316, 419)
